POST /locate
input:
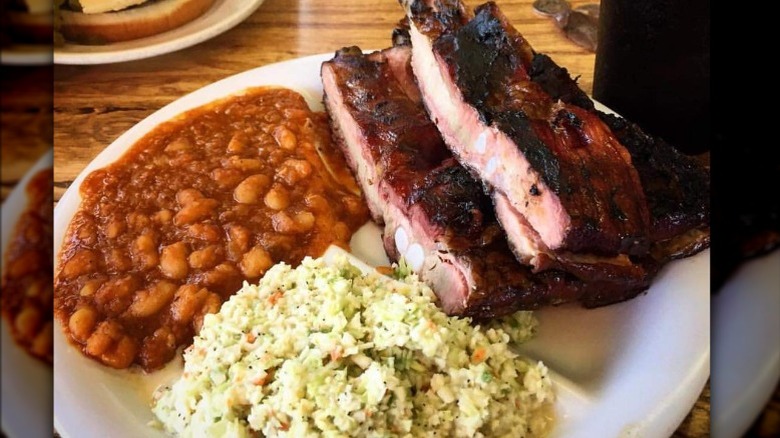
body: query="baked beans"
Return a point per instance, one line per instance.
(202, 203)
(27, 283)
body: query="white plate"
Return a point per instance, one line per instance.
(26, 54)
(223, 15)
(25, 393)
(631, 369)
(746, 335)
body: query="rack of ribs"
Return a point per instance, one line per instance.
(435, 214)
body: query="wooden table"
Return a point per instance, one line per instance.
(26, 120)
(93, 105)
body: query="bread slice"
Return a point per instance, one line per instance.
(137, 22)
(100, 6)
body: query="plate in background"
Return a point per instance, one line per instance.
(223, 15)
(746, 336)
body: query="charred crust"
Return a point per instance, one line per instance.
(676, 186)
(568, 118)
(401, 35)
(614, 207)
(518, 127)
(482, 55)
(351, 52)
(557, 83)
(417, 7)
(453, 199)
(436, 17)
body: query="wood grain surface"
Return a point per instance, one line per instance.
(93, 105)
(25, 121)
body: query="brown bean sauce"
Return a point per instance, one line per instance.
(27, 281)
(202, 203)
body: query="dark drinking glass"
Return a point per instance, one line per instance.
(653, 67)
